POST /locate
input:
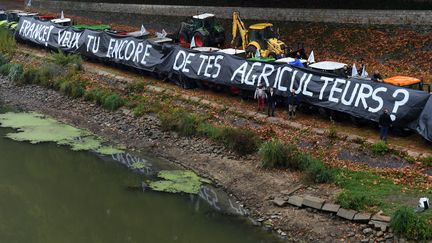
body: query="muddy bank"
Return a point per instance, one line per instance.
(239, 176)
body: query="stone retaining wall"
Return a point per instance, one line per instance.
(380, 17)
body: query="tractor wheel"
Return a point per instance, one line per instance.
(183, 40)
(272, 55)
(250, 51)
(200, 40)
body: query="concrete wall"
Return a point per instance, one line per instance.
(380, 17)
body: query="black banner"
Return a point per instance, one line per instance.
(365, 99)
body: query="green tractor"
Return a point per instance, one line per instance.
(204, 29)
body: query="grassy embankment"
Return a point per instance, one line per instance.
(363, 190)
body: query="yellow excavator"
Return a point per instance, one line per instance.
(259, 37)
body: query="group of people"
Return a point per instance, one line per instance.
(262, 94)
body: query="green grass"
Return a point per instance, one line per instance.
(70, 60)
(275, 153)
(427, 161)
(3, 59)
(411, 225)
(108, 99)
(380, 148)
(5, 68)
(368, 191)
(315, 169)
(7, 43)
(240, 141)
(180, 121)
(113, 101)
(135, 87)
(16, 73)
(364, 190)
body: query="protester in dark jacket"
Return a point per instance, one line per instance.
(293, 102)
(384, 123)
(377, 77)
(271, 100)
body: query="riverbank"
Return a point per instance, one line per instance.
(254, 187)
(239, 176)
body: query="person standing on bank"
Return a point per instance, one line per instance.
(271, 102)
(385, 122)
(293, 102)
(261, 96)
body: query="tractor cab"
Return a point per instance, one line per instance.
(261, 33)
(408, 82)
(204, 29)
(3, 15)
(207, 21)
(12, 15)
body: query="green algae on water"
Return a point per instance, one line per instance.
(37, 128)
(178, 181)
(85, 143)
(138, 165)
(109, 150)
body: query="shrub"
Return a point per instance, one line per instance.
(137, 87)
(30, 76)
(66, 87)
(64, 59)
(4, 69)
(187, 124)
(112, 101)
(46, 75)
(406, 222)
(97, 95)
(16, 73)
(319, 172)
(427, 161)
(3, 59)
(275, 153)
(379, 147)
(142, 105)
(178, 120)
(332, 133)
(315, 169)
(356, 201)
(7, 43)
(209, 130)
(239, 140)
(140, 109)
(77, 90)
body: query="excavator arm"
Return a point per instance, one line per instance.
(238, 27)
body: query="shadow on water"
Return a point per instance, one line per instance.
(49, 193)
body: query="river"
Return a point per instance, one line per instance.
(49, 193)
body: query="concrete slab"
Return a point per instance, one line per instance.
(280, 202)
(382, 218)
(330, 207)
(346, 213)
(313, 202)
(379, 225)
(362, 217)
(296, 201)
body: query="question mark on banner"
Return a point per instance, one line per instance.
(399, 103)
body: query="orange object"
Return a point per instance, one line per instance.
(402, 80)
